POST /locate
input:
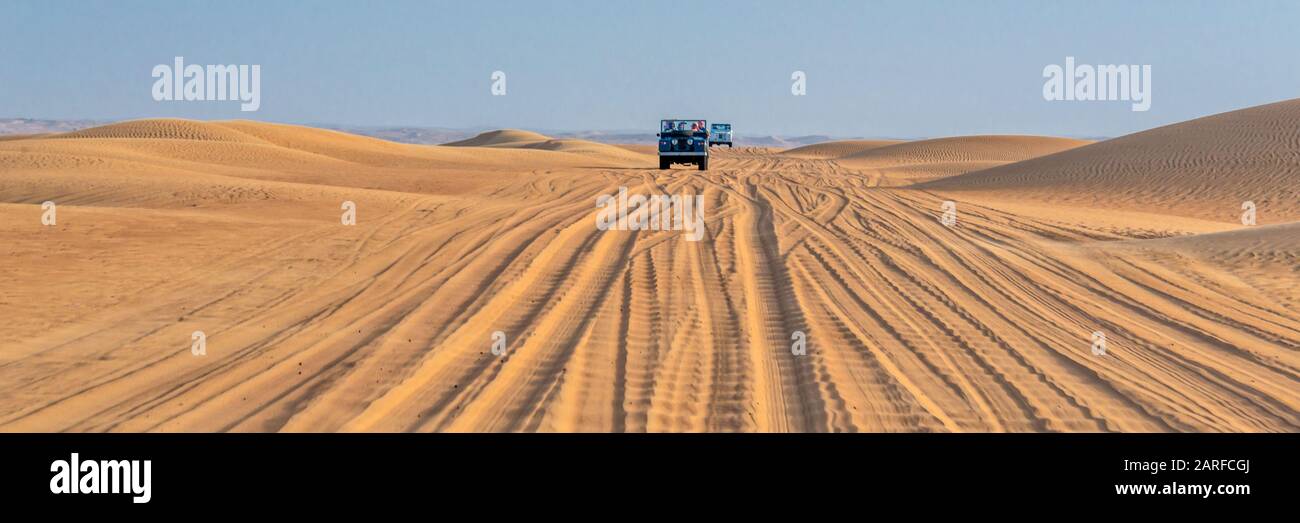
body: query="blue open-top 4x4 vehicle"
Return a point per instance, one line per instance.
(683, 141)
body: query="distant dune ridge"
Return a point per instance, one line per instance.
(893, 162)
(292, 140)
(836, 149)
(508, 137)
(172, 162)
(169, 227)
(998, 148)
(513, 138)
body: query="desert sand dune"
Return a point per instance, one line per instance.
(168, 227)
(515, 139)
(4, 137)
(164, 129)
(508, 137)
(993, 148)
(1262, 261)
(892, 162)
(651, 149)
(836, 149)
(1204, 168)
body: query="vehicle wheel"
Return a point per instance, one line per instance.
(664, 163)
(704, 163)
(728, 146)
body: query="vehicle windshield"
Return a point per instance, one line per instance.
(683, 127)
(724, 127)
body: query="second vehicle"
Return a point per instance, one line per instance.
(720, 134)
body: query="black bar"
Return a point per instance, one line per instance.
(517, 471)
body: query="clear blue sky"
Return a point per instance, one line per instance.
(877, 69)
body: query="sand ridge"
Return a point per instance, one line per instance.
(892, 162)
(1204, 168)
(836, 149)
